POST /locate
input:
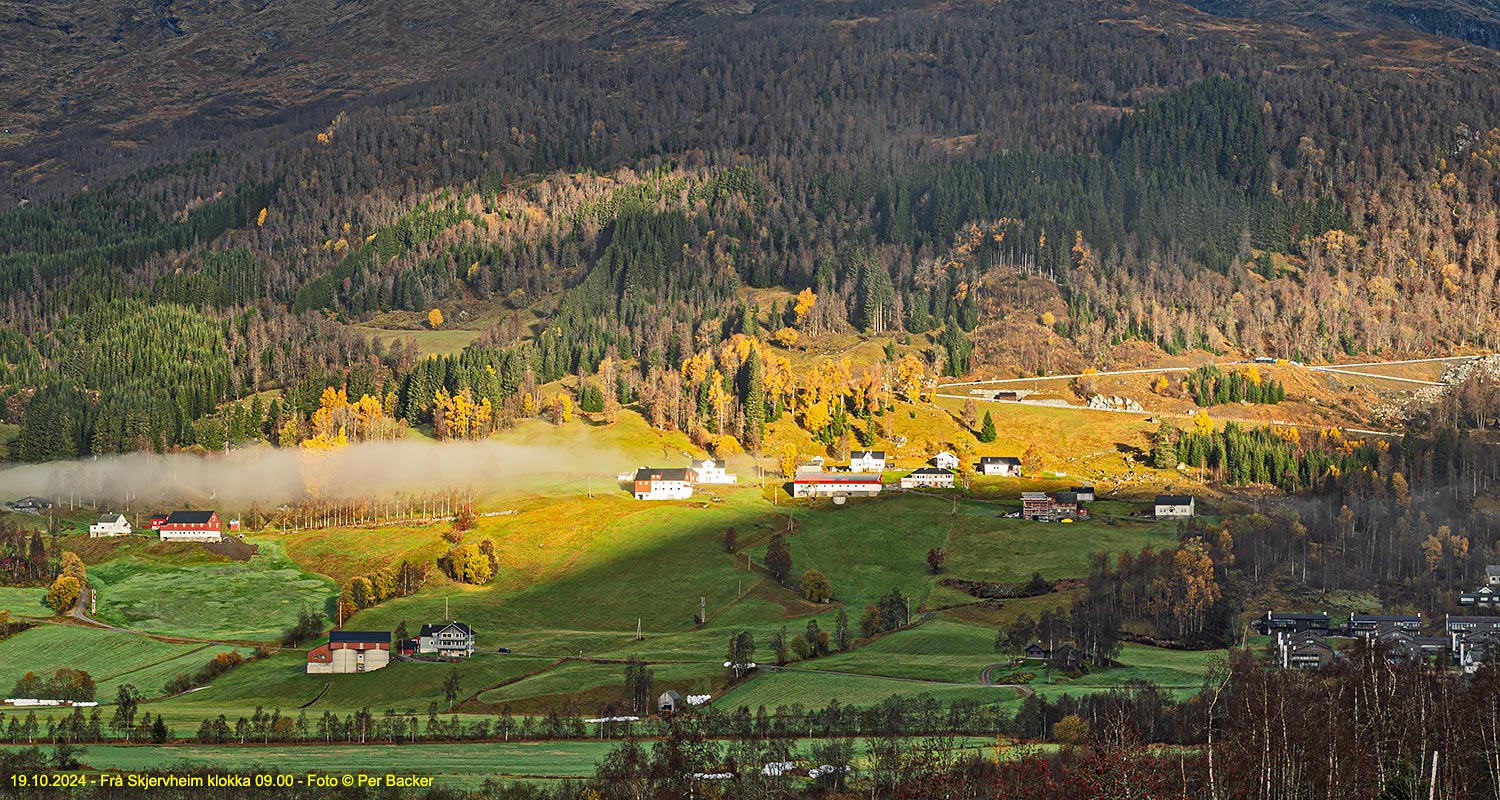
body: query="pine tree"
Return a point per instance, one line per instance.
(987, 432)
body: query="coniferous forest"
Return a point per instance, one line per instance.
(919, 173)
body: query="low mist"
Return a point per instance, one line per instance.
(269, 477)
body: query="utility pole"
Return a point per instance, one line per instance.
(638, 635)
(702, 610)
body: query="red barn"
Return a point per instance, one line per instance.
(192, 526)
(157, 520)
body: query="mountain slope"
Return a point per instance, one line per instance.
(135, 67)
(1473, 21)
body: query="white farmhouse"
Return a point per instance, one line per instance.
(451, 639)
(1007, 466)
(945, 460)
(928, 478)
(110, 525)
(711, 471)
(1174, 506)
(867, 461)
(663, 484)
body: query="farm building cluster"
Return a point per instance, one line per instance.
(178, 526)
(676, 483)
(349, 652)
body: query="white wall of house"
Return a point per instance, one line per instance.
(190, 536)
(711, 471)
(666, 490)
(1174, 511)
(119, 527)
(860, 462)
(945, 460)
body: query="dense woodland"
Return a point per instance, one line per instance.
(921, 174)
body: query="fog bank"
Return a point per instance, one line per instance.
(272, 477)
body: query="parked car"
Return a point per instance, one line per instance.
(504, 650)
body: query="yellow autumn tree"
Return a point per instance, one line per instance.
(561, 409)
(816, 417)
(1203, 423)
(786, 337)
(260, 219)
(789, 460)
(911, 373)
(806, 301)
(435, 318)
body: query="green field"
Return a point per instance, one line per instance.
(257, 599)
(443, 342)
(112, 658)
(24, 601)
(282, 682)
(453, 764)
(1010, 550)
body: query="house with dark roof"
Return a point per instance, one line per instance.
(1486, 596)
(1305, 651)
(448, 639)
(1275, 622)
(867, 461)
(1004, 466)
(1169, 506)
(1402, 647)
(1044, 507)
(1471, 626)
(928, 478)
(349, 652)
(1085, 494)
(31, 505)
(664, 483)
(1369, 625)
(1471, 652)
(192, 526)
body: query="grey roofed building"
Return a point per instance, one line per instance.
(190, 518)
(669, 702)
(374, 637)
(662, 474)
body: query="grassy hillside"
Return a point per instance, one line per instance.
(257, 599)
(112, 658)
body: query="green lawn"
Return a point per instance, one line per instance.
(110, 657)
(257, 599)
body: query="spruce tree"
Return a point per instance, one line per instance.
(987, 429)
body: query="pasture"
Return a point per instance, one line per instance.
(112, 658)
(254, 600)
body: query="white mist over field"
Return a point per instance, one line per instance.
(270, 477)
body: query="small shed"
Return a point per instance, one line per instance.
(670, 702)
